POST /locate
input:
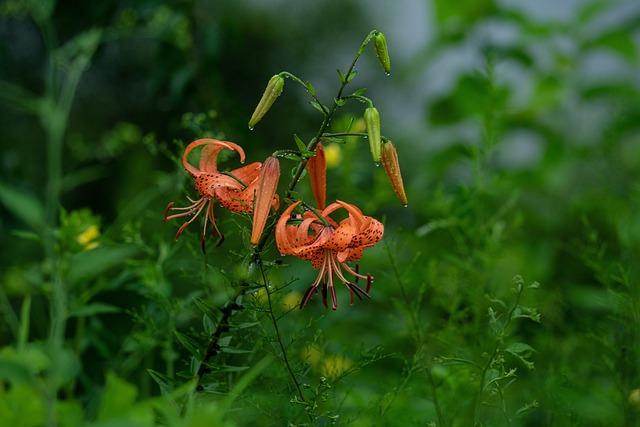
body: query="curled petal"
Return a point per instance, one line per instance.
(282, 237)
(209, 154)
(368, 235)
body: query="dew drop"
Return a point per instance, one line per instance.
(377, 164)
(250, 127)
(405, 205)
(389, 73)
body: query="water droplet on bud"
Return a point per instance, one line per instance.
(250, 127)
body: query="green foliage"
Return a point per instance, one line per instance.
(520, 164)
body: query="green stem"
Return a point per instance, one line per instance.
(315, 141)
(499, 339)
(283, 349)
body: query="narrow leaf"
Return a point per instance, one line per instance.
(23, 205)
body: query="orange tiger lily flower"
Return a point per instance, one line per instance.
(329, 246)
(266, 196)
(234, 190)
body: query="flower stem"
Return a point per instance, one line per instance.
(279, 337)
(328, 115)
(214, 347)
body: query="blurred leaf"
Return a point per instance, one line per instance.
(189, 343)
(226, 368)
(93, 309)
(519, 347)
(23, 205)
(166, 383)
(77, 52)
(619, 40)
(464, 11)
(14, 371)
(90, 264)
(233, 350)
(21, 406)
(118, 402)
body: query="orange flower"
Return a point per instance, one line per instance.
(329, 246)
(265, 196)
(392, 169)
(317, 167)
(233, 190)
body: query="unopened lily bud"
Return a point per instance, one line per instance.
(317, 167)
(271, 93)
(265, 196)
(372, 120)
(392, 169)
(380, 44)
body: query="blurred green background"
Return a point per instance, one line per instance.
(518, 131)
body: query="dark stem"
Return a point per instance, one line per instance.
(214, 347)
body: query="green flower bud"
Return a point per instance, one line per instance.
(271, 93)
(372, 120)
(380, 44)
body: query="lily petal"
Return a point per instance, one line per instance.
(266, 189)
(317, 166)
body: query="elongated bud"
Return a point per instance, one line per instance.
(380, 44)
(265, 196)
(317, 167)
(271, 93)
(372, 120)
(392, 169)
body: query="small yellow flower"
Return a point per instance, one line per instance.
(327, 365)
(634, 398)
(291, 300)
(87, 237)
(333, 155)
(334, 366)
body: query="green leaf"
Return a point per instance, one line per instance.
(189, 343)
(310, 89)
(118, 402)
(351, 75)
(301, 145)
(166, 383)
(14, 372)
(204, 305)
(621, 41)
(208, 325)
(519, 347)
(245, 325)
(23, 205)
(463, 12)
(319, 107)
(295, 196)
(93, 309)
(360, 92)
(233, 350)
(339, 102)
(227, 368)
(90, 264)
(294, 170)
